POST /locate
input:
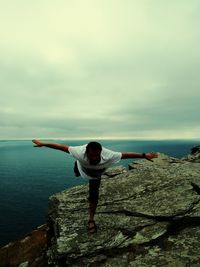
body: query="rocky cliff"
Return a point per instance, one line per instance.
(148, 215)
(29, 251)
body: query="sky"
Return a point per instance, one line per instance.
(100, 69)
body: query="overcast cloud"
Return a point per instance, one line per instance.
(99, 68)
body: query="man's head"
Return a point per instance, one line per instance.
(93, 152)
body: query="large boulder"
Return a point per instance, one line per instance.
(194, 155)
(146, 216)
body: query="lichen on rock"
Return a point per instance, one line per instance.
(147, 216)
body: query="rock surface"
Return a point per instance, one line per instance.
(148, 215)
(194, 156)
(28, 251)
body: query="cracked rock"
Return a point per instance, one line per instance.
(147, 216)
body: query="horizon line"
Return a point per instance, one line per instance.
(101, 138)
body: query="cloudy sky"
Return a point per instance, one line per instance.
(100, 68)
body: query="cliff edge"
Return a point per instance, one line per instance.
(148, 215)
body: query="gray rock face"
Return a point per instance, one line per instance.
(111, 172)
(194, 156)
(148, 215)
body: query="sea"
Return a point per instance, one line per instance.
(30, 175)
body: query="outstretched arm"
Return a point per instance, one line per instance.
(130, 155)
(61, 147)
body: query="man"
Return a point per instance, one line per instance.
(91, 162)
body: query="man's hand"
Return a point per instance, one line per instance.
(37, 143)
(150, 156)
(61, 147)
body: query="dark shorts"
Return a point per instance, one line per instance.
(94, 185)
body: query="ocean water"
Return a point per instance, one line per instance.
(29, 175)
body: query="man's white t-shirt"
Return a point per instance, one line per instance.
(108, 158)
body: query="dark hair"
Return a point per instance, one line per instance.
(93, 146)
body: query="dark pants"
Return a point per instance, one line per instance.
(94, 185)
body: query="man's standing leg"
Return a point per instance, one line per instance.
(94, 185)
